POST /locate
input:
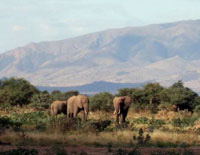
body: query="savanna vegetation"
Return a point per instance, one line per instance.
(158, 117)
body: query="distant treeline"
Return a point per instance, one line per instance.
(152, 96)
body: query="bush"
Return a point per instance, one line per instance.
(156, 123)
(39, 118)
(184, 122)
(152, 123)
(102, 101)
(16, 91)
(197, 109)
(57, 95)
(100, 125)
(141, 120)
(180, 96)
(43, 99)
(7, 123)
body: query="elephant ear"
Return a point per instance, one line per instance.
(122, 99)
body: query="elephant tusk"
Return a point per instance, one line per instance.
(114, 112)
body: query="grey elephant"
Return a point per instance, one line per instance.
(58, 107)
(121, 106)
(76, 104)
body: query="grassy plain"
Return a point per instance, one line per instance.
(166, 129)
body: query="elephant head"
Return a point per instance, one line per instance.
(76, 104)
(58, 107)
(121, 106)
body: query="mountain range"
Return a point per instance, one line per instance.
(95, 87)
(162, 53)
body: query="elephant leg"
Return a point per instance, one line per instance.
(68, 115)
(117, 118)
(123, 118)
(124, 114)
(75, 112)
(83, 116)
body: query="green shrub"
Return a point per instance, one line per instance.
(102, 101)
(16, 91)
(43, 99)
(156, 123)
(152, 123)
(57, 95)
(100, 125)
(141, 120)
(7, 123)
(197, 109)
(184, 122)
(37, 117)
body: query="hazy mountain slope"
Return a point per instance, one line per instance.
(95, 87)
(162, 52)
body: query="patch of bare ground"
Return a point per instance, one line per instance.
(44, 150)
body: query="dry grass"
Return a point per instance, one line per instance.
(169, 115)
(176, 138)
(117, 138)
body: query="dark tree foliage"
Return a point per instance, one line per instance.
(180, 96)
(16, 91)
(102, 101)
(147, 97)
(42, 99)
(57, 95)
(151, 95)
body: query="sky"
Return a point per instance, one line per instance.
(26, 21)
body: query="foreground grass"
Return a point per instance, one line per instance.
(162, 132)
(102, 139)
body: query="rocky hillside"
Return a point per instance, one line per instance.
(163, 52)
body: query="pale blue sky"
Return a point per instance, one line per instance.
(25, 21)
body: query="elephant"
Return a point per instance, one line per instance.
(76, 104)
(58, 107)
(121, 106)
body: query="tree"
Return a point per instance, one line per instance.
(152, 92)
(102, 101)
(126, 91)
(180, 96)
(57, 95)
(16, 91)
(145, 98)
(42, 99)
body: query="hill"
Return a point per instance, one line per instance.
(161, 52)
(95, 87)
